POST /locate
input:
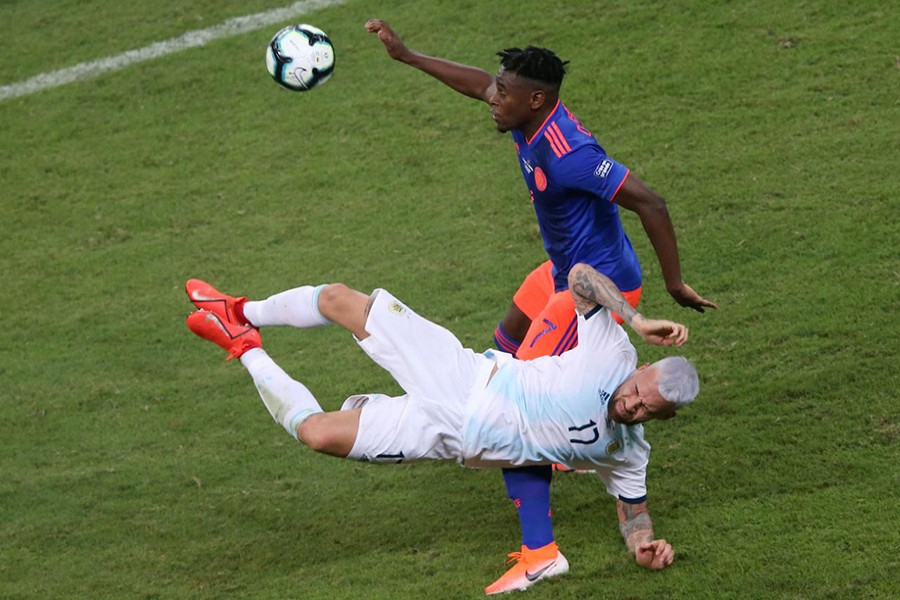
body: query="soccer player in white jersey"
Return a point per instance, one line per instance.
(583, 408)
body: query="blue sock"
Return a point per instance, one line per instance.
(529, 489)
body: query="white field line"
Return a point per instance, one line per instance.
(191, 39)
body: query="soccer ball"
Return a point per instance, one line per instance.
(300, 57)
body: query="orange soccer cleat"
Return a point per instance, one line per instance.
(531, 566)
(234, 339)
(206, 297)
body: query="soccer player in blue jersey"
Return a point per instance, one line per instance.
(576, 189)
(583, 408)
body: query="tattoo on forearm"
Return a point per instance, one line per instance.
(637, 530)
(599, 289)
(635, 524)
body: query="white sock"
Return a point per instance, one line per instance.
(288, 400)
(298, 307)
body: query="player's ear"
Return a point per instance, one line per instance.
(538, 97)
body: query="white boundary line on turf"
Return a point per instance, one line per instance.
(191, 39)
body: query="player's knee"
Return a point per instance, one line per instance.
(316, 433)
(332, 296)
(345, 306)
(323, 432)
(337, 301)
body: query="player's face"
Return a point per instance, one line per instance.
(637, 400)
(511, 104)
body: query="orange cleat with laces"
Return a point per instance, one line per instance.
(531, 566)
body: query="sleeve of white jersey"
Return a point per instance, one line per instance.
(625, 482)
(599, 332)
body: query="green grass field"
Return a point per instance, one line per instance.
(135, 464)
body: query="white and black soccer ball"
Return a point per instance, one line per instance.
(300, 57)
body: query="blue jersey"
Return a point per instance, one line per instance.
(572, 184)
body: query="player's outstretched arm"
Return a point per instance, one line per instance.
(637, 531)
(467, 80)
(650, 207)
(590, 287)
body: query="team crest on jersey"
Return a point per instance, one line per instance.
(603, 169)
(614, 446)
(396, 308)
(540, 179)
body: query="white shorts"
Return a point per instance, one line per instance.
(438, 376)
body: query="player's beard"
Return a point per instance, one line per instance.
(613, 409)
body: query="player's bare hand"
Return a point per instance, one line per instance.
(395, 47)
(687, 297)
(657, 554)
(661, 333)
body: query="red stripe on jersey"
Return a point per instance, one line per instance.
(562, 139)
(613, 197)
(554, 144)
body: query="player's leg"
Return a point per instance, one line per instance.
(394, 427)
(421, 356)
(302, 307)
(420, 429)
(375, 428)
(309, 306)
(332, 433)
(527, 302)
(553, 331)
(511, 329)
(288, 401)
(529, 488)
(427, 360)
(296, 307)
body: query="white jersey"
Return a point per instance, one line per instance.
(554, 410)
(542, 411)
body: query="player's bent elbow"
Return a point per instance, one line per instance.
(576, 271)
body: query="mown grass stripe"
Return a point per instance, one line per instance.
(191, 39)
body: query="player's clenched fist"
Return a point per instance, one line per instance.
(657, 554)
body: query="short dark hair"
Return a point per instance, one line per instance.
(535, 63)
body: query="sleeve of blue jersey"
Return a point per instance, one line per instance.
(588, 169)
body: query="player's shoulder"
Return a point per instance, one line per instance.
(600, 323)
(571, 125)
(568, 140)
